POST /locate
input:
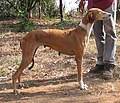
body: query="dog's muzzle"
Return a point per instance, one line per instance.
(107, 16)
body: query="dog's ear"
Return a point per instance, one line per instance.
(90, 17)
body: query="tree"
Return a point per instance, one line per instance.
(23, 6)
(6, 10)
(118, 9)
(61, 12)
(46, 8)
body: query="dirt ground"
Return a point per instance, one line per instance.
(54, 78)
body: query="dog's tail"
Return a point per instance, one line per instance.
(31, 65)
(29, 68)
(32, 61)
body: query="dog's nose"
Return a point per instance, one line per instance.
(109, 15)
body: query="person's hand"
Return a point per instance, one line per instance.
(81, 5)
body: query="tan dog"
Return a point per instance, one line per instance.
(70, 42)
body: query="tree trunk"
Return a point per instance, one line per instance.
(39, 10)
(30, 14)
(61, 14)
(118, 11)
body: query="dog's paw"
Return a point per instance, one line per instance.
(83, 86)
(16, 92)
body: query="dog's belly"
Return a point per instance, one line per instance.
(63, 50)
(66, 52)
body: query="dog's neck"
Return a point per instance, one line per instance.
(88, 27)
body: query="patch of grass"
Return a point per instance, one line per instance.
(24, 27)
(9, 63)
(91, 46)
(3, 72)
(118, 33)
(66, 24)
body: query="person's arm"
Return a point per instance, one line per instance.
(81, 5)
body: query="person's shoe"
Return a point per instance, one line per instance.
(97, 69)
(108, 71)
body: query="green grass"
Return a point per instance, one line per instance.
(66, 24)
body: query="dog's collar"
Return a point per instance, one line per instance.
(83, 25)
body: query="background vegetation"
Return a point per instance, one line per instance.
(25, 10)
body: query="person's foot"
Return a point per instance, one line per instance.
(97, 69)
(108, 71)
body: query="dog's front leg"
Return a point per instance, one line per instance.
(80, 72)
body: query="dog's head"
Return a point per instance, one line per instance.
(95, 14)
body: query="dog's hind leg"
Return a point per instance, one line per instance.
(21, 84)
(19, 81)
(27, 55)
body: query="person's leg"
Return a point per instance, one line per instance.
(110, 43)
(110, 40)
(100, 41)
(106, 46)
